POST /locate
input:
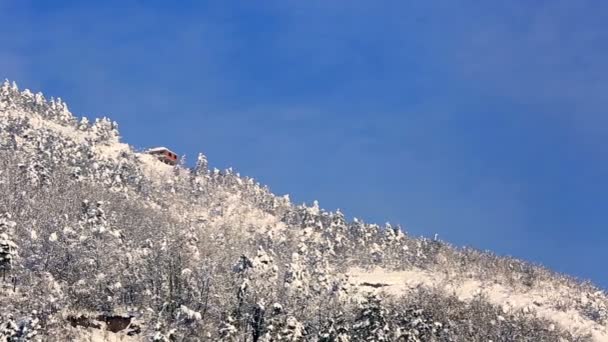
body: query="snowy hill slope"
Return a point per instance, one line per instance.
(95, 233)
(546, 300)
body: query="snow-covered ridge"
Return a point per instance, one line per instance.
(102, 137)
(174, 225)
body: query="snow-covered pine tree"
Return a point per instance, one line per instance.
(105, 130)
(296, 278)
(280, 326)
(8, 248)
(242, 271)
(84, 124)
(372, 322)
(415, 325)
(335, 329)
(202, 165)
(9, 94)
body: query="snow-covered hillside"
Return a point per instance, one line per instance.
(545, 300)
(101, 242)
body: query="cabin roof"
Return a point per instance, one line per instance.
(158, 149)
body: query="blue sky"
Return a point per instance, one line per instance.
(482, 121)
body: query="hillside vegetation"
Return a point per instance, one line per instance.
(99, 242)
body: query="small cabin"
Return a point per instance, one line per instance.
(164, 154)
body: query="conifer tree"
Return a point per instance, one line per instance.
(202, 165)
(8, 248)
(335, 329)
(372, 322)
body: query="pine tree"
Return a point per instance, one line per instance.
(296, 277)
(282, 327)
(9, 95)
(415, 325)
(8, 248)
(242, 270)
(84, 124)
(335, 329)
(202, 166)
(372, 323)
(105, 130)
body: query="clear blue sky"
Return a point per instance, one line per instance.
(482, 121)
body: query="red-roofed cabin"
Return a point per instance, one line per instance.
(164, 154)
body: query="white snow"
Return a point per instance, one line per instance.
(110, 150)
(154, 169)
(539, 299)
(191, 314)
(158, 149)
(38, 122)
